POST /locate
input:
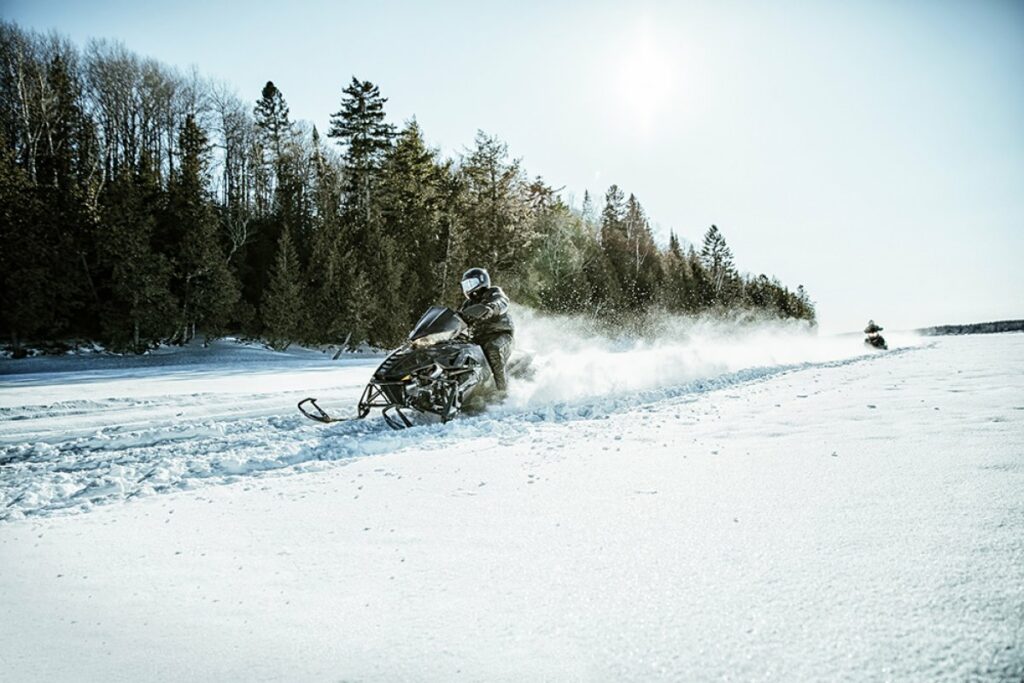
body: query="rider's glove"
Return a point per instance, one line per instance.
(477, 311)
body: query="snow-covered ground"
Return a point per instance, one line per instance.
(741, 505)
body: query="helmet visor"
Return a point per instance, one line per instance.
(471, 283)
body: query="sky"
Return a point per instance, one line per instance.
(871, 151)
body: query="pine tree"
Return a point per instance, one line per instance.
(779, 298)
(387, 318)
(602, 284)
(804, 305)
(338, 296)
(757, 293)
(359, 127)
(277, 134)
(31, 305)
(678, 277)
(412, 199)
(673, 245)
(137, 301)
(613, 215)
(587, 210)
(337, 299)
(271, 118)
(281, 186)
(495, 226)
(453, 200)
(207, 289)
(702, 294)
(63, 163)
(282, 302)
(615, 244)
(642, 274)
(716, 257)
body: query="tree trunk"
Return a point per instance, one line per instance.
(344, 345)
(88, 278)
(18, 352)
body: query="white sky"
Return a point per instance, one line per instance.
(872, 151)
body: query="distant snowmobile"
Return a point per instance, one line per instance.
(439, 370)
(877, 341)
(874, 339)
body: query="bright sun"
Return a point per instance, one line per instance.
(646, 80)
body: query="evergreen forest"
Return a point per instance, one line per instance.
(141, 205)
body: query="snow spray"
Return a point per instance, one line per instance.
(575, 358)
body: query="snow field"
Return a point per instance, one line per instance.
(80, 432)
(858, 519)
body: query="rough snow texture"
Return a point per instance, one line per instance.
(748, 515)
(82, 431)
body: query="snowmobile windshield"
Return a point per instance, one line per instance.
(438, 324)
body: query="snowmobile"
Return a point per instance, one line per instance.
(876, 340)
(873, 338)
(438, 370)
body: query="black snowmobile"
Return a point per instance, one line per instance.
(873, 338)
(877, 341)
(439, 370)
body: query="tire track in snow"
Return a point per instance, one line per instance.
(74, 472)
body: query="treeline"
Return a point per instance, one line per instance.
(141, 205)
(995, 327)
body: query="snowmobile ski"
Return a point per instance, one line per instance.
(315, 412)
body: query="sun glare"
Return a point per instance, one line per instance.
(646, 80)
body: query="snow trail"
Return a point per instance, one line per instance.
(148, 430)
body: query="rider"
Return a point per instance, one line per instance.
(486, 311)
(873, 338)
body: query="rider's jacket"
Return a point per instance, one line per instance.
(497, 321)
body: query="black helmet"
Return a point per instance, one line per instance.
(474, 280)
